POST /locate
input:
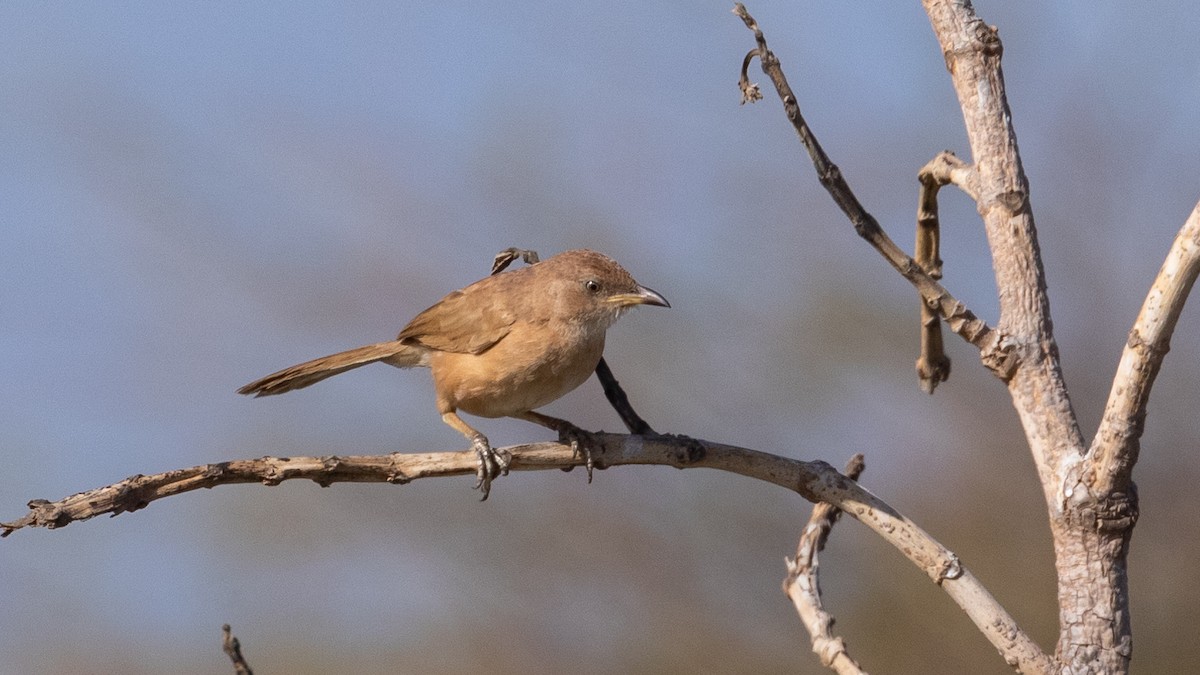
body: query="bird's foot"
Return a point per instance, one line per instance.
(581, 442)
(492, 463)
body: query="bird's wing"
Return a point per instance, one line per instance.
(463, 322)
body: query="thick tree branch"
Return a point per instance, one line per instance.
(1021, 350)
(803, 585)
(973, 51)
(995, 351)
(1115, 448)
(1090, 527)
(815, 481)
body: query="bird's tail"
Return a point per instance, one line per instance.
(394, 353)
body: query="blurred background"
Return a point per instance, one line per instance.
(195, 196)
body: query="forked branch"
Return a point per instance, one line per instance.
(997, 353)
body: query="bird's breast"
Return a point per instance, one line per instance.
(536, 363)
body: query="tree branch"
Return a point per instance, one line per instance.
(1090, 523)
(996, 353)
(1115, 448)
(620, 402)
(233, 648)
(803, 586)
(1003, 201)
(815, 481)
(933, 366)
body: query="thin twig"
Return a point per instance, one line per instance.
(233, 648)
(620, 402)
(803, 586)
(1117, 442)
(933, 366)
(996, 353)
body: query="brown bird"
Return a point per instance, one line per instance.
(500, 347)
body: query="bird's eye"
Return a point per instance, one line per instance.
(592, 285)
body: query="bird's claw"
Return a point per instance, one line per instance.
(492, 463)
(581, 443)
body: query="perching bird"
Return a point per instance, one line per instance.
(501, 347)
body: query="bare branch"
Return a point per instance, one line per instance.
(620, 402)
(815, 481)
(233, 648)
(973, 51)
(996, 352)
(803, 586)
(1090, 556)
(947, 169)
(933, 366)
(1115, 448)
(999, 353)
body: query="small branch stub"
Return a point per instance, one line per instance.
(233, 648)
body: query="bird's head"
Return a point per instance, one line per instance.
(594, 289)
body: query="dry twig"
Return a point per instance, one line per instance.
(933, 366)
(233, 648)
(995, 351)
(803, 586)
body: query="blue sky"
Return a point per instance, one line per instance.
(196, 195)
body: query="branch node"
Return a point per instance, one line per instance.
(950, 569)
(1000, 355)
(395, 475)
(989, 39)
(329, 465)
(690, 451)
(803, 586)
(750, 90)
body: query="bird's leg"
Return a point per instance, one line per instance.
(581, 441)
(492, 462)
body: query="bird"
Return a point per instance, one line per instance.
(500, 347)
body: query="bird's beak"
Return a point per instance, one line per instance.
(642, 296)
